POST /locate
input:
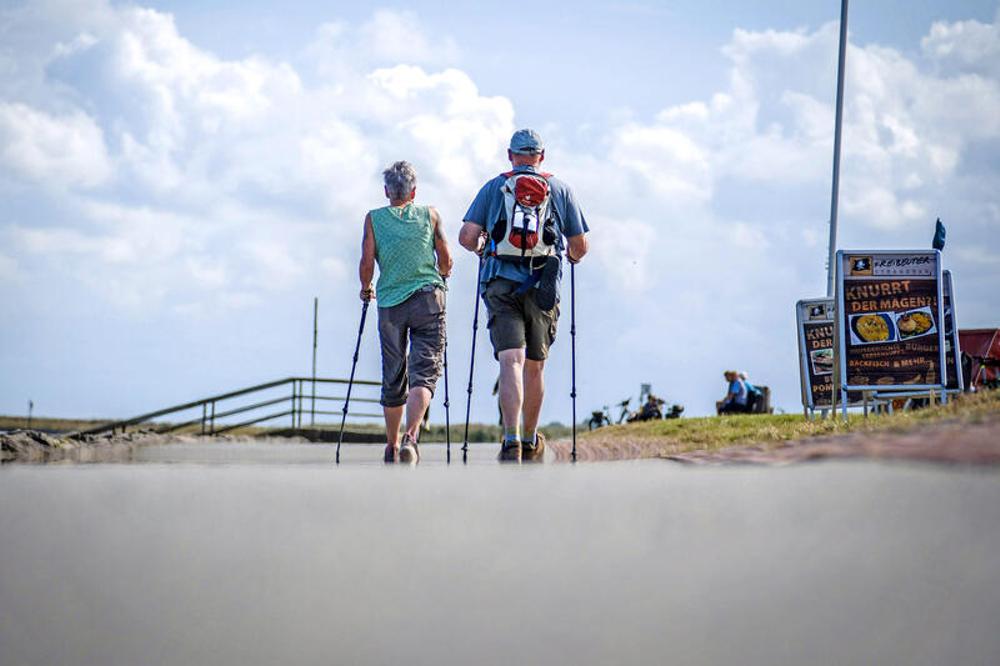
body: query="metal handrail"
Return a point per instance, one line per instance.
(207, 418)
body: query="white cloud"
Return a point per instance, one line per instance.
(219, 172)
(389, 37)
(965, 46)
(906, 129)
(56, 150)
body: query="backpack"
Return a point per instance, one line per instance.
(526, 228)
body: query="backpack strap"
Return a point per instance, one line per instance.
(544, 174)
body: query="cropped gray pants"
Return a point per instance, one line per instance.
(417, 322)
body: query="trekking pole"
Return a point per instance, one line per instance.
(472, 365)
(572, 336)
(350, 382)
(447, 400)
(447, 404)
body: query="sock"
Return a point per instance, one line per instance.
(531, 440)
(511, 435)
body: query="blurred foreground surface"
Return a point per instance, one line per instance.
(262, 554)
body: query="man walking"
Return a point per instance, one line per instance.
(408, 243)
(520, 223)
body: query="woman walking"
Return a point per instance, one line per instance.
(408, 244)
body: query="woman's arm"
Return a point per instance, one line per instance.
(444, 261)
(366, 268)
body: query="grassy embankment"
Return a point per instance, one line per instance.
(712, 433)
(48, 424)
(660, 437)
(478, 432)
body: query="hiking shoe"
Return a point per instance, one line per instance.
(534, 451)
(391, 453)
(510, 451)
(408, 452)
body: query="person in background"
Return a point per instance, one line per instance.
(735, 401)
(753, 393)
(408, 243)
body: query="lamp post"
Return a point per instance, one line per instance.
(312, 411)
(838, 122)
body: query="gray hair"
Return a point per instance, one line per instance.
(400, 180)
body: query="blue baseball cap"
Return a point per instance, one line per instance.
(526, 142)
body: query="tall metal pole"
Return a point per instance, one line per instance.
(836, 149)
(312, 411)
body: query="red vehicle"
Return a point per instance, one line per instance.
(982, 347)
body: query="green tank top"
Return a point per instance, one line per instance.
(404, 250)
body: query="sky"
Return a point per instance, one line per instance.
(178, 180)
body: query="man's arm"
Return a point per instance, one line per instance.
(571, 222)
(472, 237)
(577, 246)
(441, 248)
(366, 268)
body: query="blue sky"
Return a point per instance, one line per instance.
(180, 179)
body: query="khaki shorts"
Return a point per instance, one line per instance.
(417, 321)
(516, 321)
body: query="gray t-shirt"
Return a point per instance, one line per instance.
(485, 210)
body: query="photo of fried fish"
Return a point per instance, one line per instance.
(914, 323)
(822, 360)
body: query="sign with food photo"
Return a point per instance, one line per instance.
(952, 349)
(891, 308)
(815, 319)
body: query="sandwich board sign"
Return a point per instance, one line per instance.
(890, 320)
(815, 321)
(953, 351)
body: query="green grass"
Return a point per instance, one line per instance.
(48, 423)
(716, 432)
(478, 432)
(674, 435)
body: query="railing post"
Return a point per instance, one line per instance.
(204, 413)
(293, 404)
(211, 426)
(302, 390)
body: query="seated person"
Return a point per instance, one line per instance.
(651, 410)
(753, 393)
(735, 401)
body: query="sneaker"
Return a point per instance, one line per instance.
(534, 451)
(391, 453)
(510, 451)
(408, 452)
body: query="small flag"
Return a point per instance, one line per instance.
(939, 234)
